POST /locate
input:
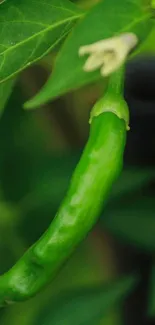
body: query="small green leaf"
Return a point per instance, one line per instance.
(5, 92)
(151, 293)
(106, 19)
(87, 306)
(133, 221)
(29, 29)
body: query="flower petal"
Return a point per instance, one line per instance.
(109, 68)
(94, 62)
(109, 53)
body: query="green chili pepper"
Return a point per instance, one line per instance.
(99, 166)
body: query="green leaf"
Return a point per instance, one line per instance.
(133, 221)
(29, 29)
(148, 46)
(106, 19)
(151, 293)
(5, 92)
(153, 4)
(130, 180)
(87, 306)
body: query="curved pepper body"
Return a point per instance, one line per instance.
(99, 166)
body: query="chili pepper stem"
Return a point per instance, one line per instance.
(116, 82)
(114, 93)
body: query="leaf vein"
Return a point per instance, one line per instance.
(39, 33)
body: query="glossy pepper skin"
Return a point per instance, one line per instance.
(99, 166)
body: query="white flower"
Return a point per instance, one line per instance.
(108, 54)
